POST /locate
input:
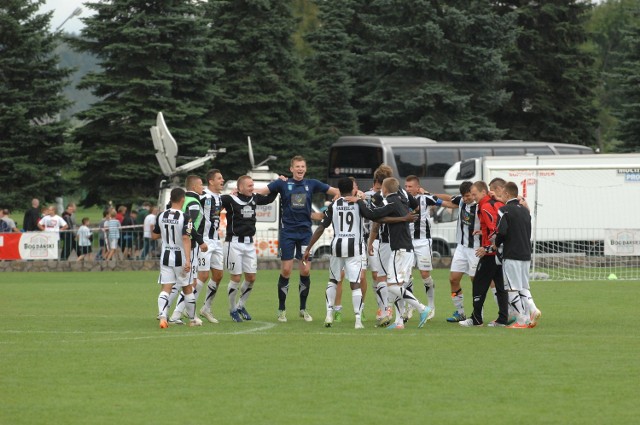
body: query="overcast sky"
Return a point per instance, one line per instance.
(62, 9)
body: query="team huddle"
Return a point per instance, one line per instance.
(385, 230)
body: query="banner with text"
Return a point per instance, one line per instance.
(29, 246)
(624, 242)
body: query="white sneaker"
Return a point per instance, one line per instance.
(282, 316)
(432, 313)
(207, 314)
(176, 321)
(305, 314)
(359, 324)
(195, 322)
(534, 318)
(328, 321)
(467, 323)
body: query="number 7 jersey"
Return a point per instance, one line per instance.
(347, 227)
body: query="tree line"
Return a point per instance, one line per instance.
(295, 75)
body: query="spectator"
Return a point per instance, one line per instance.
(112, 238)
(32, 217)
(8, 222)
(122, 211)
(128, 231)
(69, 215)
(149, 224)
(84, 238)
(52, 222)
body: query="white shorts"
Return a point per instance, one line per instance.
(384, 256)
(352, 267)
(113, 243)
(464, 260)
(516, 274)
(240, 257)
(177, 275)
(399, 266)
(374, 262)
(212, 259)
(422, 254)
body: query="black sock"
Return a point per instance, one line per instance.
(283, 288)
(305, 282)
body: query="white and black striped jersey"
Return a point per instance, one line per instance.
(468, 222)
(421, 229)
(211, 206)
(399, 235)
(347, 228)
(368, 200)
(172, 225)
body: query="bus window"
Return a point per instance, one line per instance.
(439, 160)
(409, 161)
(542, 150)
(508, 151)
(565, 150)
(468, 153)
(354, 161)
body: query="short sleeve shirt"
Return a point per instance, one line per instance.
(295, 202)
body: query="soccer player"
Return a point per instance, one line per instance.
(489, 269)
(398, 268)
(211, 260)
(514, 235)
(464, 259)
(421, 233)
(240, 255)
(346, 249)
(194, 212)
(295, 230)
(173, 227)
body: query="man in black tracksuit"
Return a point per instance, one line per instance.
(401, 261)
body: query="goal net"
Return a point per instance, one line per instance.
(585, 220)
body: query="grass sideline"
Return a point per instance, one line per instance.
(80, 348)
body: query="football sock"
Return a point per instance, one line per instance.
(356, 297)
(430, 288)
(330, 295)
(190, 305)
(305, 283)
(198, 288)
(163, 303)
(177, 312)
(212, 288)
(173, 294)
(283, 289)
(382, 294)
(495, 296)
(528, 299)
(516, 303)
(458, 300)
(245, 291)
(410, 299)
(232, 292)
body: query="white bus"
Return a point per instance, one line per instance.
(359, 156)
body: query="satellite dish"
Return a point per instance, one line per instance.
(170, 147)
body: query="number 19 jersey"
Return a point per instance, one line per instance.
(347, 228)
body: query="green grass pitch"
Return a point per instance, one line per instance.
(85, 348)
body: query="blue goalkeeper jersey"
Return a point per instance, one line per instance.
(295, 202)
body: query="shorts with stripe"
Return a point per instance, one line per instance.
(422, 253)
(240, 257)
(516, 274)
(399, 266)
(173, 275)
(352, 267)
(464, 260)
(212, 258)
(374, 261)
(384, 256)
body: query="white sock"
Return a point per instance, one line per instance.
(458, 301)
(494, 291)
(198, 289)
(430, 288)
(245, 291)
(177, 312)
(163, 303)
(190, 305)
(356, 298)
(330, 296)
(382, 293)
(212, 289)
(517, 304)
(173, 294)
(528, 299)
(232, 292)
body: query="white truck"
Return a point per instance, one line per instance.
(573, 199)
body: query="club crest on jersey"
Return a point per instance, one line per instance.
(247, 211)
(306, 187)
(290, 187)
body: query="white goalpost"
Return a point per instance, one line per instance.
(585, 218)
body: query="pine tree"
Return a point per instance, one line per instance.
(551, 80)
(329, 69)
(431, 69)
(628, 77)
(152, 58)
(35, 156)
(264, 94)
